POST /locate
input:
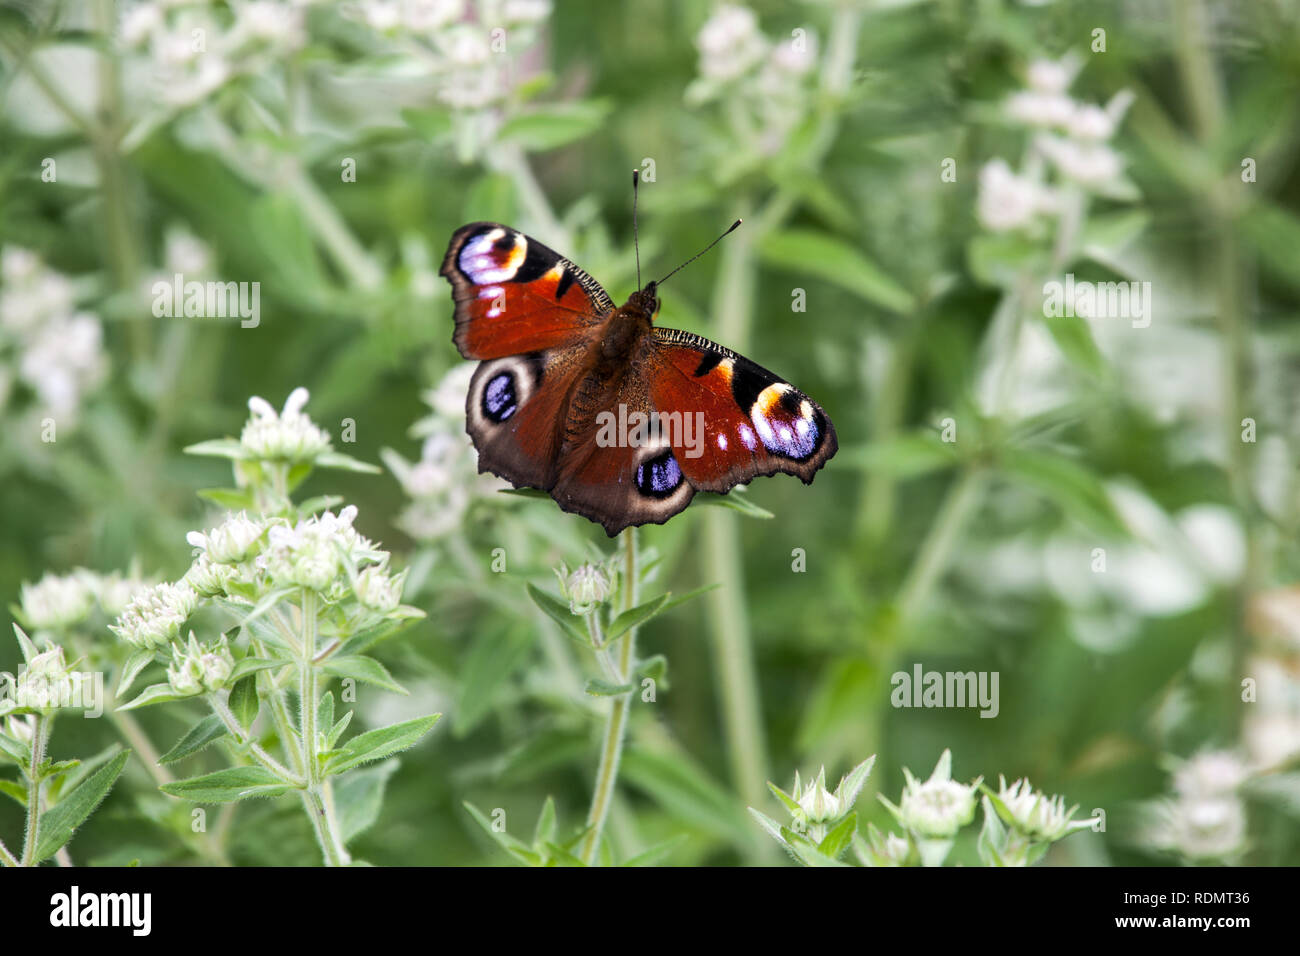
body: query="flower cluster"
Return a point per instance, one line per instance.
(155, 616)
(196, 670)
(289, 436)
(56, 350)
(817, 813)
(766, 83)
(1204, 821)
(587, 586)
(58, 603)
(1068, 137)
(192, 51)
(445, 482)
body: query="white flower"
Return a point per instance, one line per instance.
(236, 540)
(290, 436)
(940, 806)
(1218, 542)
(1007, 201)
(586, 587)
(1051, 76)
(277, 23)
(45, 682)
(525, 11)
(55, 603)
(310, 553)
(140, 23)
(1203, 829)
(381, 15)
(1210, 773)
(818, 804)
(1091, 123)
(155, 615)
(185, 253)
(448, 398)
(730, 43)
(207, 579)
(1033, 108)
(378, 590)
(424, 16)
(1035, 814)
(115, 591)
(1089, 164)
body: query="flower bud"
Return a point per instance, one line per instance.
(154, 617)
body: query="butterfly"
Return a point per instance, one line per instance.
(620, 420)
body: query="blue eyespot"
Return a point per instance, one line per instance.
(499, 398)
(658, 477)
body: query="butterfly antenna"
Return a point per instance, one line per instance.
(734, 226)
(636, 177)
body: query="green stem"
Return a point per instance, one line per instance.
(963, 497)
(730, 634)
(222, 709)
(7, 858)
(318, 797)
(615, 727)
(40, 738)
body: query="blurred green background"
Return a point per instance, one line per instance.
(918, 170)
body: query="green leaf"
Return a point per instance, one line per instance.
(232, 499)
(250, 665)
(559, 612)
(603, 688)
(635, 617)
(15, 790)
(656, 853)
(1077, 490)
(1073, 335)
(338, 460)
(337, 730)
(61, 821)
(655, 668)
(155, 694)
(830, 258)
(904, 456)
(380, 743)
(491, 661)
(244, 702)
(229, 785)
(137, 662)
(839, 838)
(789, 802)
(205, 732)
(359, 797)
(554, 125)
(544, 832)
(1000, 260)
(676, 599)
(362, 668)
(219, 448)
(512, 845)
(429, 124)
(686, 791)
(733, 500)
(325, 710)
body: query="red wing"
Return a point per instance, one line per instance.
(514, 295)
(737, 420)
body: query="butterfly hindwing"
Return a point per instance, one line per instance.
(754, 422)
(514, 295)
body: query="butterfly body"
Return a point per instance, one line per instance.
(563, 373)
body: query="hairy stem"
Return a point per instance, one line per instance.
(40, 738)
(318, 797)
(616, 726)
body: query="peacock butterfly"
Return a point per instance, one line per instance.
(620, 420)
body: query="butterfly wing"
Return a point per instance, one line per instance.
(514, 295)
(753, 422)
